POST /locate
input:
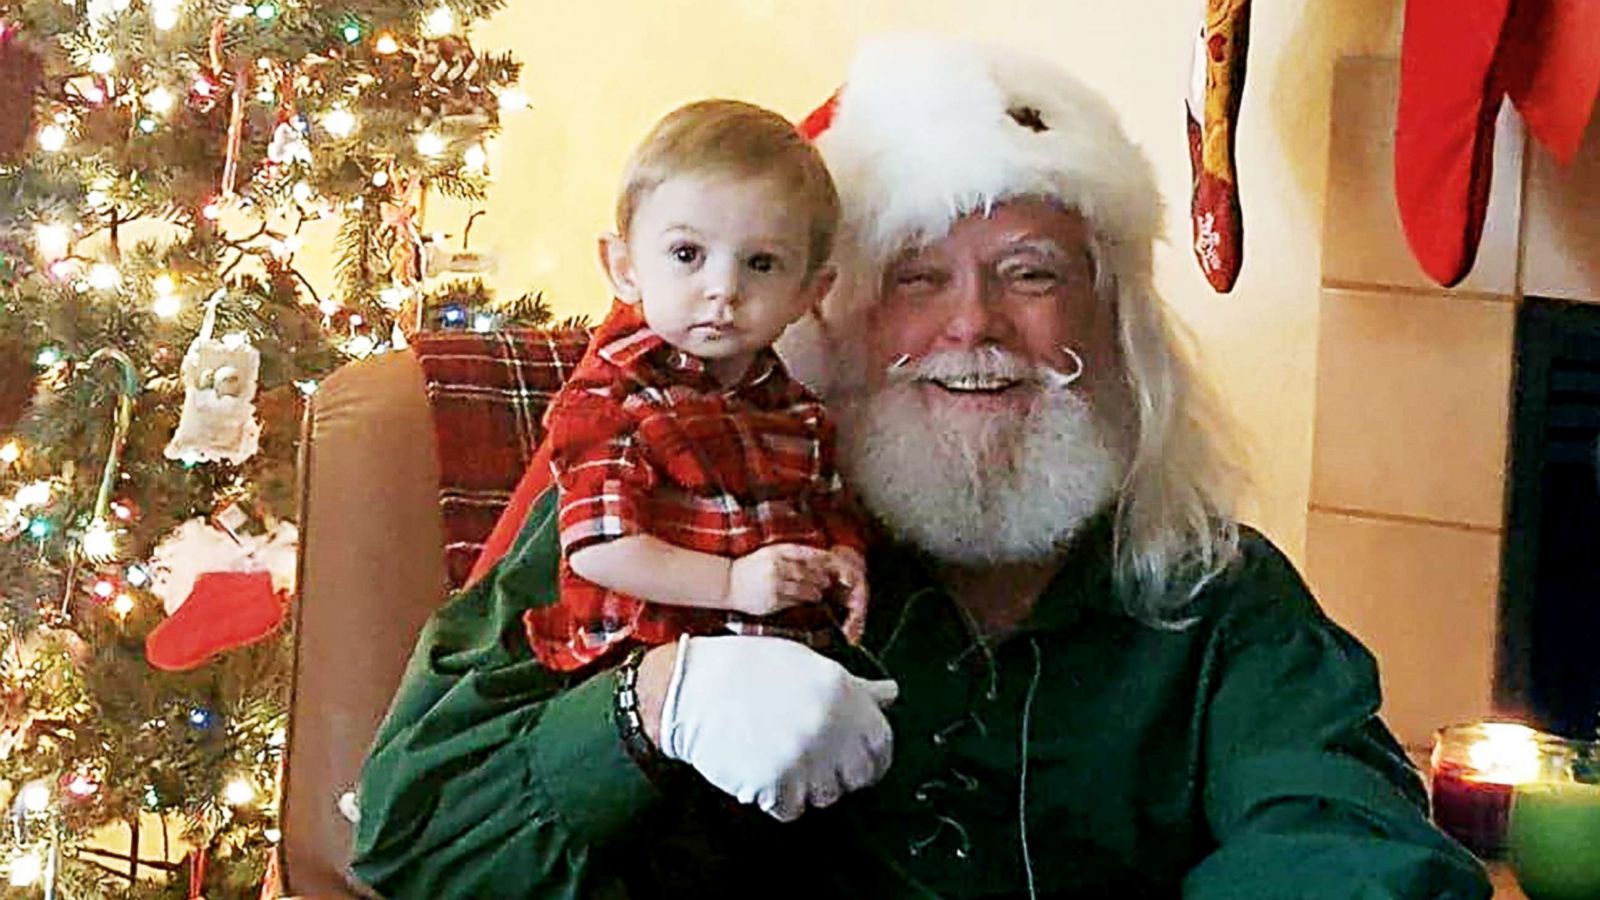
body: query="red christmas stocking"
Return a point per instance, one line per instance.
(1213, 117)
(224, 610)
(1549, 61)
(1444, 140)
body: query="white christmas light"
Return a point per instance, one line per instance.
(53, 241)
(104, 276)
(102, 63)
(164, 17)
(240, 10)
(302, 192)
(379, 179)
(430, 143)
(164, 284)
(272, 835)
(36, 796)
(440, 22)
(35, 493)
(52, 138)
(96, 198)
(167, 305)
(328, 307)
(99, 541)
(339, 122)
(360, 346)
(238, 792)
(26, 870)
(387, 44)
(10, 452)
(122, 605)
(483, 322)
(475, 158)
(159, 101)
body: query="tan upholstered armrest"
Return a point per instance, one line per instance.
(371, 570)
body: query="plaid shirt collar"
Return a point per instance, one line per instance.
(625, 341)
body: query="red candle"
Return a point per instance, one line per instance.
(1473, 812)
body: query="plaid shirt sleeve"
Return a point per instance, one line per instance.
(835, 507)
(603, 478)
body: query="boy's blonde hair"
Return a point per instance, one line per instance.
(740, 140)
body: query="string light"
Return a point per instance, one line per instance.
(104, 277)
(104, 589)
(167, 306)
(47, 358)
(138, 575)
(26, 870)
(147, 124)
(33, 494)
(266, 12)
(53, 241)
(430, 143)
(39, 529)
(361, 345)
(159, 100)
(164, 284)
(122, 605)
(440, 22)
(475, 158)
(483, 322)
(96, 198)
(10, 452)
(102, 63)
(351, 32)
(238, 792)
(99, 541)
(36, 796)
(239, 10)
(387, 44)
(164, 16)
(52, 138)
(302, 192)
(339, 122)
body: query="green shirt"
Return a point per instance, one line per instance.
(1240, 757)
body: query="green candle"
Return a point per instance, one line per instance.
(1554, 840)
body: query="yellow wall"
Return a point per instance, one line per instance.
(600, 72)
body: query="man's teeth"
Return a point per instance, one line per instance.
(975, 383)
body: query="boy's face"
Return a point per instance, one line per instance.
(719, 265)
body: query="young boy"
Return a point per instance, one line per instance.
(698, 492)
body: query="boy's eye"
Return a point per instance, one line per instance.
(765, 262)
(687, 254)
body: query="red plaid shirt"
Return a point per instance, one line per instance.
(644, 441)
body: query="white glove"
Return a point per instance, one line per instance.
(774, 723)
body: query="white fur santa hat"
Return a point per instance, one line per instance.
(928, 129)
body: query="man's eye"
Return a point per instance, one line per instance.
(915, 278)
(765, 263)
(1032, 278)
(688, 254)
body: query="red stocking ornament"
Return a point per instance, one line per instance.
(221, 591)
(1213, 118)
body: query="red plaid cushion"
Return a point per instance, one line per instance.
(488, 393)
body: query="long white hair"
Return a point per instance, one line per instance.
(1174, 527)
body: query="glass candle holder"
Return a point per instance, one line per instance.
(1553, 838)
(1475, 770)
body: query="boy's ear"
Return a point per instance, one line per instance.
(817, 289)
(618, 267)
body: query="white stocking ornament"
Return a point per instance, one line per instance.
(218, 422)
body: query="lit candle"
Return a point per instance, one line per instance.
(1476, 768)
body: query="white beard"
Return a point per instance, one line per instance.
(972, 487)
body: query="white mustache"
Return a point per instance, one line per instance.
(988, 362)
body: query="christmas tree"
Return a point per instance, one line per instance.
(163, 165)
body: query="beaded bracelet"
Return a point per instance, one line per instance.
(630, 723)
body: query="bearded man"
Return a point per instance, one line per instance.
(1080, 678)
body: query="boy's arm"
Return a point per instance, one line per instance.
(765, 581)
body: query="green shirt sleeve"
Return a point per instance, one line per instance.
(1306, 791)
(490, 775)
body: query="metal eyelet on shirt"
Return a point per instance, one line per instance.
(963, 849)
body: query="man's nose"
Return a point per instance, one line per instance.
(977, 315)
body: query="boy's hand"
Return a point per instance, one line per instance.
(779, 576)
(850, 571)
